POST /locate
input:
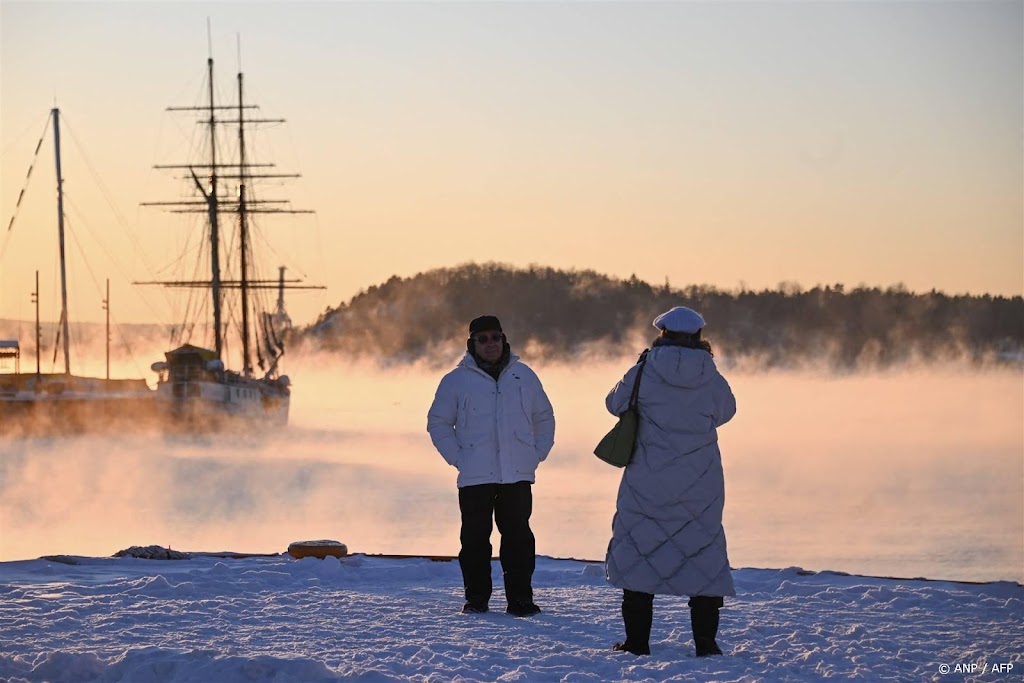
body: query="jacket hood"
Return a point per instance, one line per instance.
(681, 366)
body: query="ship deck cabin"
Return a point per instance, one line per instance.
(192, 363)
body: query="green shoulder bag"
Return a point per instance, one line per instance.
(617, 446)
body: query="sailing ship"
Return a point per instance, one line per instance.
(194, 380)
(60, 402)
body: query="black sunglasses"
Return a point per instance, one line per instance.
(485, 338)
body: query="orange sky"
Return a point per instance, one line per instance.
(730, 144)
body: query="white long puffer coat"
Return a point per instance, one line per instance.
(667, 535)
(493, 432)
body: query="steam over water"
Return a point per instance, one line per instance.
(910, 473)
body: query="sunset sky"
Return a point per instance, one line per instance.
(733, 144)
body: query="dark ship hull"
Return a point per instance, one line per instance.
(58, 404)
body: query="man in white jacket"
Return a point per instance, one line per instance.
(492, 421)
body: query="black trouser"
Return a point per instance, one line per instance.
(511, 506)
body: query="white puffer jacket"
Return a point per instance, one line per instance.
(493, 432)
(667, 535)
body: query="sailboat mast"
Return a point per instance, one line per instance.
(39, 328)
(106, 307)
(60, 232)
(211, 201)
(280, 291)
(243, 230)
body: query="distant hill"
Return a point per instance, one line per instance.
(557, 313)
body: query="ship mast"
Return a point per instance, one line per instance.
(211, 200)
(214, 204)
(243, 229)
(210, 205)
(106, 307)
(60, 233)
(39, 329)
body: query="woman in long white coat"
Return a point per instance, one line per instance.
(667, 535)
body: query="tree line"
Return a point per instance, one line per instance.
(560, 313)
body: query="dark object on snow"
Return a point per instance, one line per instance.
(228, 555)
(474, 608)
(522, 609)
(153, 552)
(704, 621)
(319, 549)
(432, 558)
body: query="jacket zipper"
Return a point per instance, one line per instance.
(497, 416)
(497, 432)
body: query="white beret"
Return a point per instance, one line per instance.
(679, 319)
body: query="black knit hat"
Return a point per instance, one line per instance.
(483, 324)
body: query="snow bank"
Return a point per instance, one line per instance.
(374, 619)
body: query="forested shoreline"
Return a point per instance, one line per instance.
(558, 313)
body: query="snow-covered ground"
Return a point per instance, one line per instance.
(367, 618)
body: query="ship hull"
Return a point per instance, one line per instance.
(40, 405)
(218, 406)
(57, 405)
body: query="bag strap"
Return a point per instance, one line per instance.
(636, 385)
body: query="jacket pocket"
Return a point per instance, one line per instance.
(525, 438)
(526, 457)
(476, 457)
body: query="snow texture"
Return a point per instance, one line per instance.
(376, 619)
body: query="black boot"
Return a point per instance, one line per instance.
(704, 621)
(637, 615)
